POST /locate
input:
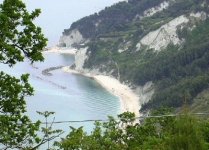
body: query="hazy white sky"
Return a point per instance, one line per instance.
(58, 15)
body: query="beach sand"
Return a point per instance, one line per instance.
(71, 51)
(129, 100)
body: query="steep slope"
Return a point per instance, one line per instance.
(108, 20)
(159, 47)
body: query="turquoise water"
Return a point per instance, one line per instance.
(82, 98)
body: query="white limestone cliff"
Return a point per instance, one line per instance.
(74, 37)
(80, 58)
(151, 11)
(145, 92)
(166, 34)
(154, 10)
(161, 37)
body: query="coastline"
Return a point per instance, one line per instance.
(71, 51)
(128, 99)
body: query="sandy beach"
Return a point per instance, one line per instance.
(71, 51)
(129, 100)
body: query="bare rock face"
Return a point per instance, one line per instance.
(80, 59)
(154, 10)
(73, 38)
(151, 11)
(166, 34)
(161, 37)
(145, 92)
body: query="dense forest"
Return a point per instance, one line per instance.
(111, 18)
(179, 71)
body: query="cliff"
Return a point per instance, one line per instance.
(160, 48)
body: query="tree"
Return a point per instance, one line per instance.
(186, 134)
(182, 132)
(19, 38)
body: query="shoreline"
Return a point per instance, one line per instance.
(71, 51)
(129, 101)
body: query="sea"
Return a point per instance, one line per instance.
(71, 97)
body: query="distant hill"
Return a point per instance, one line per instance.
(159, 47)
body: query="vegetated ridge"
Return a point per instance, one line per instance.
(159, 47)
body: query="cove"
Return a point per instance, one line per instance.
(71, 97)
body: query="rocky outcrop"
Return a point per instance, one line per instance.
(71, 39)
(80, 58)
(150, 12)
(160, 38)
(166, 34)
(145, 92)
(130, 40)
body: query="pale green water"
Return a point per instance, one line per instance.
(82, 99)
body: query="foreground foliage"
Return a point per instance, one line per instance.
(183, 132)
(20, 38)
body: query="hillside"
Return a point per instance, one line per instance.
(159, 47)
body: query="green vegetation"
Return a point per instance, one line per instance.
(176, 71)
(112, 18)
(180, 73)
(165, 133)
(19, 38)
(201, 101)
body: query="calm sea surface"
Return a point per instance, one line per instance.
(80, 98)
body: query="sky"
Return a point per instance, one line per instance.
(58, 15)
